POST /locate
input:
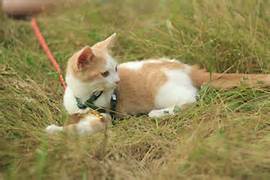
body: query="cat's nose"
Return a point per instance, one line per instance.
(117, 82)
(117, 79)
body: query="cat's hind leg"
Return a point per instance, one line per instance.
(178, 91)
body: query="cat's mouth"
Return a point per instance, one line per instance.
(109, 86)
(113, 86)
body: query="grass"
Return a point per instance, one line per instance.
(225, 135)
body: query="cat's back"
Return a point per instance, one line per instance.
(151, 70)
(152, 65)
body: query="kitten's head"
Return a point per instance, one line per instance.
(95, 65)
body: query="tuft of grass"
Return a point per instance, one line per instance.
(225, 135)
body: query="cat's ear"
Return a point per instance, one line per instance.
(107, 43)
(110, 40)
(85, 57)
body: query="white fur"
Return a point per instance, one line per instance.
(80, 89)
(52, 129)
(76, 88)
(134, 65)
(177, 91)
(137, 65)
(188, 69)
(160, 60)
(161, 112)
(84, 126)
(111, 66)
(153, 61)
(70, 101)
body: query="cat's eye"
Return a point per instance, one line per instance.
(116, 68)
(105, 74)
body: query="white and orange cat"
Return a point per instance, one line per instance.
(154, 87)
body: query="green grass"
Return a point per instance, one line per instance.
(225, 135)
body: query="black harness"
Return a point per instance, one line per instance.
(90, 103)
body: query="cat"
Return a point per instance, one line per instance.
(154, 87)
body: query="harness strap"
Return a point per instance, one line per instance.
(90, 103)
(113, 105)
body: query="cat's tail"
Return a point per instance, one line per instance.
(228, 80)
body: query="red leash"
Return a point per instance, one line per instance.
(46, 49)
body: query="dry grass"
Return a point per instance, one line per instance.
(225, 135)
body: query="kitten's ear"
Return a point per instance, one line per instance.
(107, 43)
(110, 40)
(85, 57)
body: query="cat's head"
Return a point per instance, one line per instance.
(95, 65)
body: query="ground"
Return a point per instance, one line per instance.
(225, 135)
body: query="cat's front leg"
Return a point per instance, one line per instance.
(107, 117)
(168, 111)
(161, 112)
(52, 129)
(87, 123)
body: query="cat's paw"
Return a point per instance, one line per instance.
(52, 129)
(107, 118)
(158, 113)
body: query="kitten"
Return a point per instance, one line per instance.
(154, 87)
